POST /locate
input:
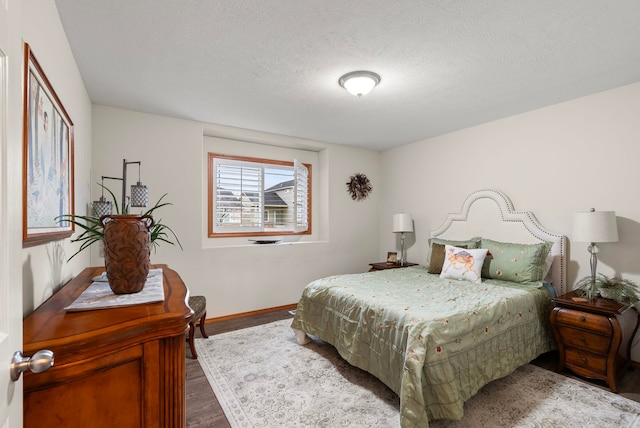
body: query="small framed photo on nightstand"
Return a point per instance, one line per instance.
(392, 258)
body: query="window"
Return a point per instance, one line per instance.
(253, 197)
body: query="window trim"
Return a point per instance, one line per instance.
(211, 192)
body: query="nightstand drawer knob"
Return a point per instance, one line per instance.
(582, 339)
(583, 318)
(584, 360)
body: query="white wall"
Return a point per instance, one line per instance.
(239, 277)
(553, 161)
(44, 268)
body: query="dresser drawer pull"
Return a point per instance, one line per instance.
(582, 339)
(583, 318)
(584, 360)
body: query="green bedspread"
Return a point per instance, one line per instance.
(435, 342)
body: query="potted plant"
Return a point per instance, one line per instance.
(127, 241)
(618, 289)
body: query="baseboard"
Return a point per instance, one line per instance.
(251, 313)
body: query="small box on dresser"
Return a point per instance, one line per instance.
(593, 336)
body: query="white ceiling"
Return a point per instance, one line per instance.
(274, 65)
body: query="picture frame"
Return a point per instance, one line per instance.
(392, 258)
(48, 162)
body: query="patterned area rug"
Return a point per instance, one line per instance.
(263, 378)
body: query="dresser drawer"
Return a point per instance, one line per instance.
(586, 360)
(580, 338)
(585, 320)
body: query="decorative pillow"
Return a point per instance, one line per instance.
(469, 243)
(437, 257)
(461, 263)
(548, 262)
(515, 262)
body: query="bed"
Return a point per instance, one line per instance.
(433, 338)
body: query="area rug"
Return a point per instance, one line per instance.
(263, 378)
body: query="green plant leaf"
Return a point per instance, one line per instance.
(622, 290)
(93, 230)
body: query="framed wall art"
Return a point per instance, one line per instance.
(47, 159)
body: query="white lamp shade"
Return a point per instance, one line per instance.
(139, 195)
(359, 86)
(101, 207)
(402, 223)
(359, 83)
(595, 226)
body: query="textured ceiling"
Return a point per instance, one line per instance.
(274, 65)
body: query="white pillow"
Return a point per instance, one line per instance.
(463, 263)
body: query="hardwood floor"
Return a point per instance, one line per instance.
(203, 409)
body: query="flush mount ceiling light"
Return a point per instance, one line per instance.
(359, 83)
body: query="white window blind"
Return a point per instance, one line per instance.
(238, 196)
(301, 186)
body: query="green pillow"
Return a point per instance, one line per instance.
(514, 262)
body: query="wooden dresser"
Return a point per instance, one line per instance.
(594, 337)
(122, 367)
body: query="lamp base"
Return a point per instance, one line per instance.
(592, 292)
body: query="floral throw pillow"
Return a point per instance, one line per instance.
(437, 257)
(463, 263)
(515, 262)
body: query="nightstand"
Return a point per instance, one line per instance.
(593, 336)
(384, 265)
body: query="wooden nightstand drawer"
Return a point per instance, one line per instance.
(593, 335)
(585, 320)
(583, 339)
(593, 363)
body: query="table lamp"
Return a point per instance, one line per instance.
(594, 226)
(402, 223)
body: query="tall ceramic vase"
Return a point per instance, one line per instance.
(127, 248)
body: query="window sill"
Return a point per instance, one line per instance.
(254, 245)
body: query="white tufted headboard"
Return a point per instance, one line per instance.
(490, 214)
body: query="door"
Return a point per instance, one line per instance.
(10, 211)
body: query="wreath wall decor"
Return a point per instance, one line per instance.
(359, 187)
